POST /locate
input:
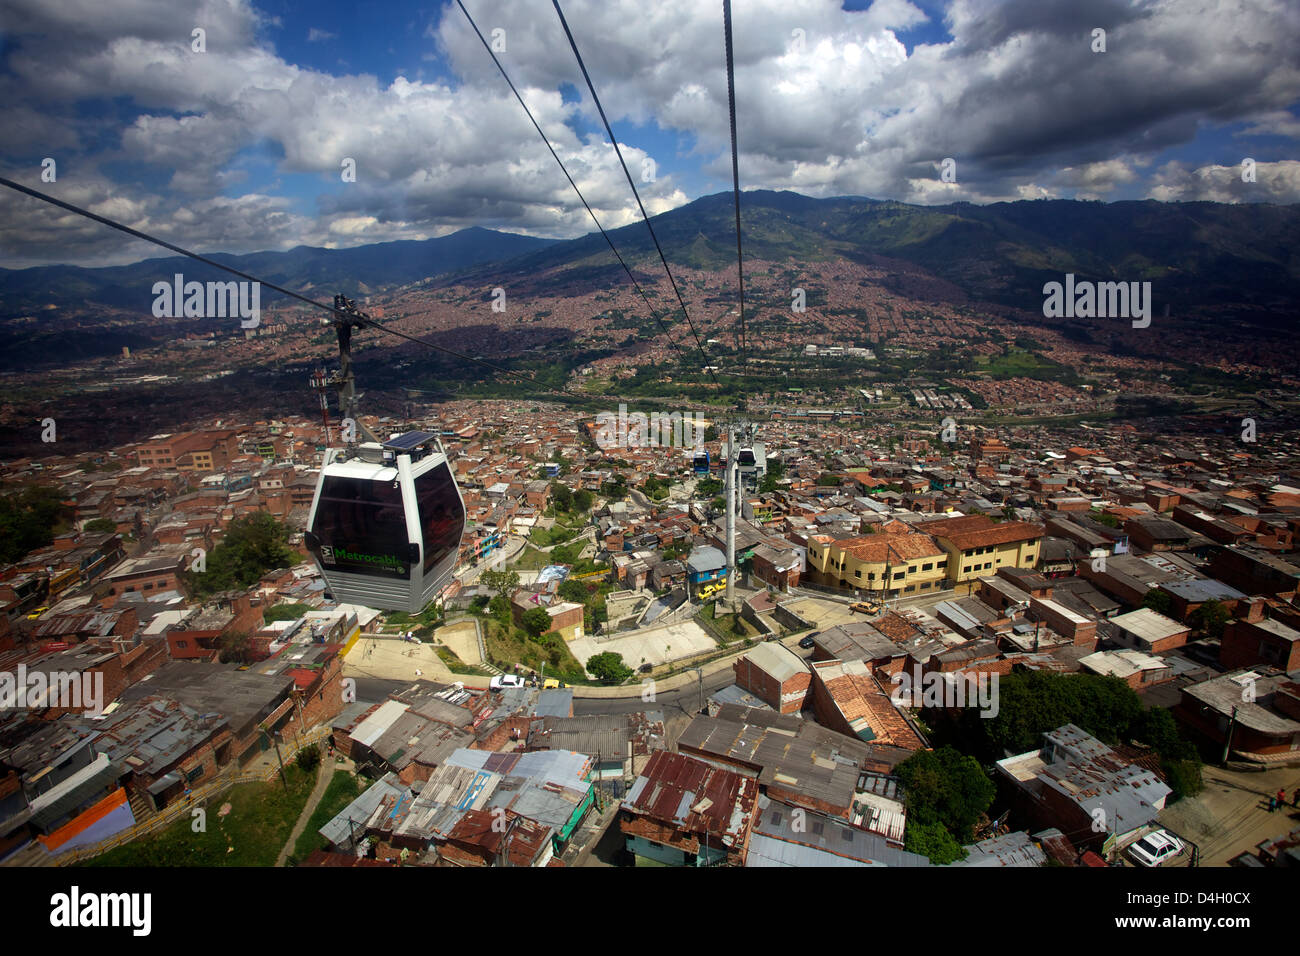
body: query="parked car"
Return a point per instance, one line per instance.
(865, 607)
(552, 684)
(502, 681)
(37, 613)
(1155, 848)
(807, 643)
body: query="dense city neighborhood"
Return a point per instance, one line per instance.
(998, 646)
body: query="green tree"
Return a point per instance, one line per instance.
(561, 497)
(1158, 601)
(503, 582)
(28, 520)
(934, 841)
(775, 472)
(101, 526)
(285, 612)
(499, 608)
(947, 788)
(574, 591)
(582, 499)
(608, 667)
(828, 479)
(236, 648)
(252, 545)
(536, 622)
(309, 758)
(1209, 619)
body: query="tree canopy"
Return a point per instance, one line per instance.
(252, 545)
(945, 788)
(536, 621)
(28, 520)
(608, 667)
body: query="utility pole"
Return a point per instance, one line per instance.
(699, 673)
(1227, 743)
(731, 518)
(278, 758)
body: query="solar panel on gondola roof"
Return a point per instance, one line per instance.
(410, 440)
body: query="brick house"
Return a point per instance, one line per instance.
(776, 675)
(1247, 643)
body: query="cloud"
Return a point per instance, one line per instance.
(1277, 182)
(829, 102)
(315, 35)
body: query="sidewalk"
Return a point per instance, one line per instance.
(324, 774)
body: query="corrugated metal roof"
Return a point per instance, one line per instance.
(374, 726)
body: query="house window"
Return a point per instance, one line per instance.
(928, 567)
(911, 569)
(182, 643)
(857, 573)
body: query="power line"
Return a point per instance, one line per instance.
(735, 170)
(564, 169)
(644, 216)
(45, 197)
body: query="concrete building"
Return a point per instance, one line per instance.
(1076, 783)
(1148, 631)
(776, 675)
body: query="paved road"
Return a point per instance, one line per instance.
(374, 689)
(684, 701)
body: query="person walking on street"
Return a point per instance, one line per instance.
(1281, 797)
(1295, 798)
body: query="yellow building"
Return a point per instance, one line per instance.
(977, 546)
(886, 564)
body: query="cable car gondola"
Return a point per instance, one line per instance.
(386, 522)
(701, 462)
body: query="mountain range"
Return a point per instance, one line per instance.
(1201, 257)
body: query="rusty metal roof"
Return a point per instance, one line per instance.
(693, 796)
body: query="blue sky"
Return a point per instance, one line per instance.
(239, 147)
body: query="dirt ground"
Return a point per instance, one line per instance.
(395, 660)
(461, 638)
(824, 614)
(1230, 816)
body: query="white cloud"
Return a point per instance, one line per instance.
(1017, 97)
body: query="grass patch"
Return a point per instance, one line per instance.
(456, 665)
(343, 788)
(261, 818)
(509, 646)
(286, 612)
(725, 629)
